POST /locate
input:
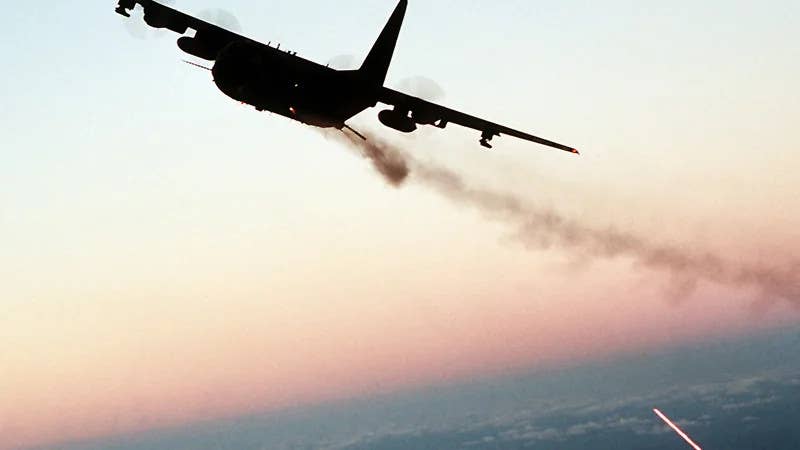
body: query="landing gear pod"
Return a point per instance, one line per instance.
(397, 120)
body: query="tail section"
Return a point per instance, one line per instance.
(377, 63)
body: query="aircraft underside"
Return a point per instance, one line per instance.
(313, 94)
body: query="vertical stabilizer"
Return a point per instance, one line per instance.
(377, 63)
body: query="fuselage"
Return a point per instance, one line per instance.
(281, 82)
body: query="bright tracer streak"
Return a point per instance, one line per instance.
(677, 430)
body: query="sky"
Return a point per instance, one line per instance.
(171, 256)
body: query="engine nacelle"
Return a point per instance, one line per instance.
(199, 48)
(397, 120)
(159, 16)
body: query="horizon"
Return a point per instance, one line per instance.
(747, 360)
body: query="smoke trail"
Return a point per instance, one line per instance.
(391, 163)
(543, 227)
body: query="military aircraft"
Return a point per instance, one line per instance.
(271, 79)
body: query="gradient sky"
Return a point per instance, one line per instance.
(169, 255)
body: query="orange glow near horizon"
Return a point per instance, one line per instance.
(141, 371)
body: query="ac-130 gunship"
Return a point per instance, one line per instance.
(271, 79)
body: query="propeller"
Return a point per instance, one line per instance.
(343, 62)
(419, 86)
(221, 18)
(136, 26)
(422, 87)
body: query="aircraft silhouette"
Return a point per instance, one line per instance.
(271, 79)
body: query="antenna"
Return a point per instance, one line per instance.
(197, 65)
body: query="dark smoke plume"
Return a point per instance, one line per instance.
(542, 227)
(392, 164)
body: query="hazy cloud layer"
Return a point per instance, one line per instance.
(604, 424)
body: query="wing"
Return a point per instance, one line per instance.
(207, 42)
(430, 113)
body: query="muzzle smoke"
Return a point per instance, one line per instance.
(542, 227)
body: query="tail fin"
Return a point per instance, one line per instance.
(377, 63)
